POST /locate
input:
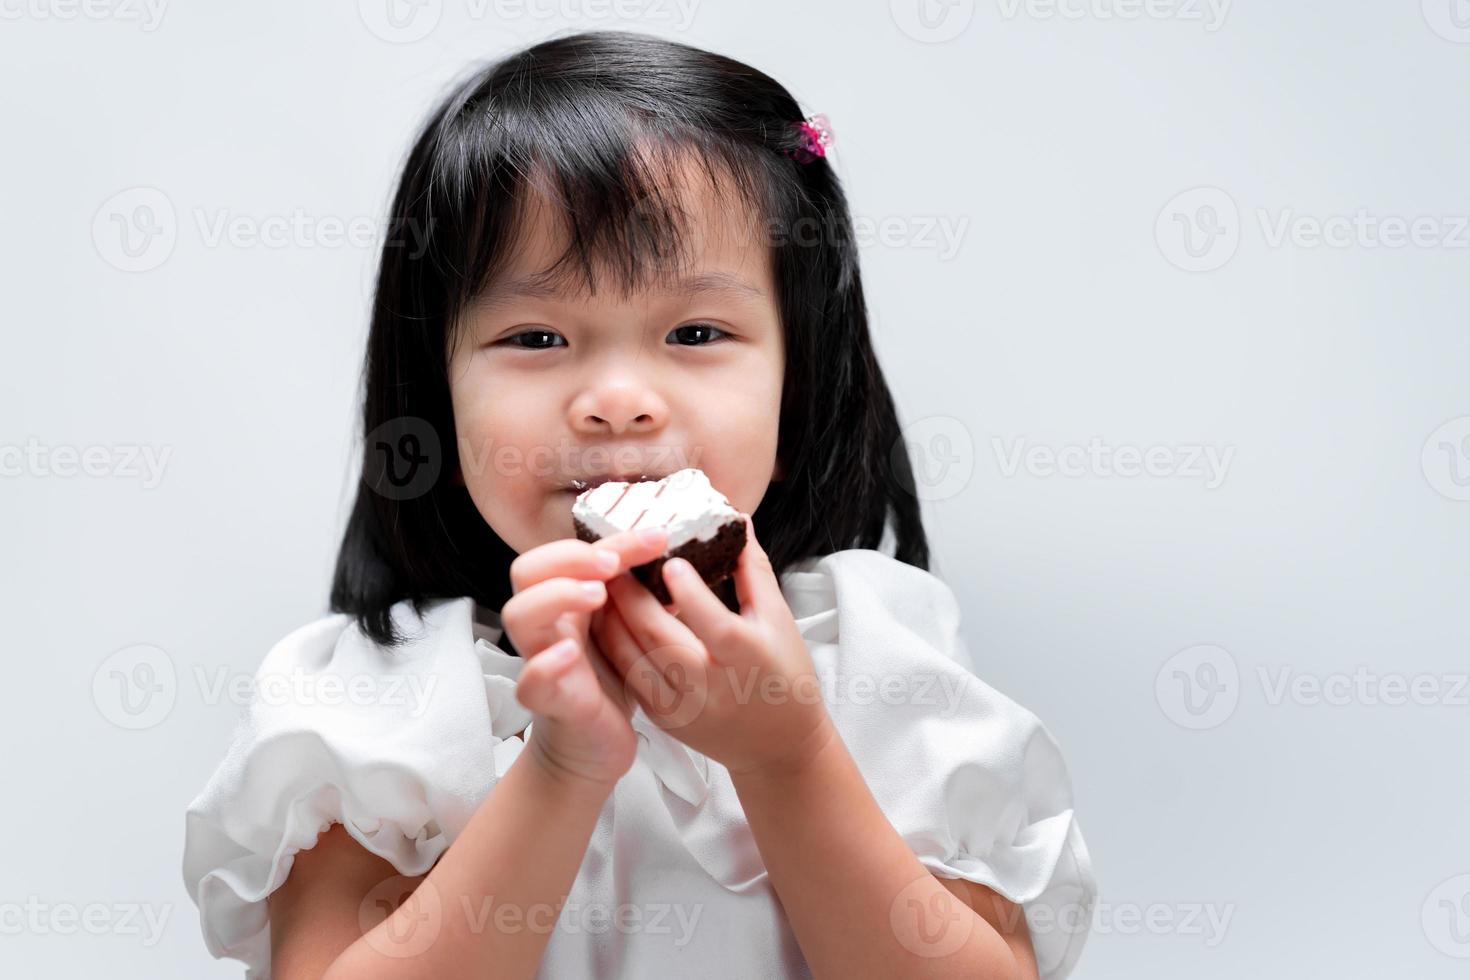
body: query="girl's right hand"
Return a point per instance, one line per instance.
(581, 713)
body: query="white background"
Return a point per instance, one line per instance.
(1058, 141)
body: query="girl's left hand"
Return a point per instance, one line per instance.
(737, 687)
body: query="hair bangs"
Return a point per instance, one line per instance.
(617, 185)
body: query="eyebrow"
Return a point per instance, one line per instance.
(538, 287)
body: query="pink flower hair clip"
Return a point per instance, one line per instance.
(816, 138)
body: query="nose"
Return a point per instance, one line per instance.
(618, 406)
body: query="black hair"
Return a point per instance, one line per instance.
(580, 109)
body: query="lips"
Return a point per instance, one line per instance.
(582, 484)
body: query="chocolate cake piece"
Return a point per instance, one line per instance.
(703, 528)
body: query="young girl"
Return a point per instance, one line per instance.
(612, 257)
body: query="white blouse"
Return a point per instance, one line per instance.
(672, 883)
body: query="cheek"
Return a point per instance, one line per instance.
(756, 411)
(488, 437)
(741, 440)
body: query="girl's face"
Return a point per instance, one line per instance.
(550, 385)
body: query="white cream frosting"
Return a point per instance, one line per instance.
(684, 504)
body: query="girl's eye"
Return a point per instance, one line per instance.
(691, 332)
(690, 335)
(536, 344)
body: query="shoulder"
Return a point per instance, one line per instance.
(397, 745)
(972, 780)
(873, 571)
(865, 591)
(329, 682)
(335, 644)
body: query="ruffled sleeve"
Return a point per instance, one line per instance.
(343, 730)
(974, 782)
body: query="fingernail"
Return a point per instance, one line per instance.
(677, 567)
(650, 534)
(592, 590)
(607, 561)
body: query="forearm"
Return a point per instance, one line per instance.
(859, 901)
(492, 899)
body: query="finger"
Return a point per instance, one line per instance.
(621, 650)
(575, 558)
(755, 579)
(565, 632)
(530, 617)
(607, 675)
(556, 683)
(671, 696)
(700, 609)
(660, 637)
(580, 685)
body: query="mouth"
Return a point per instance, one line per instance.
(579, 486)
